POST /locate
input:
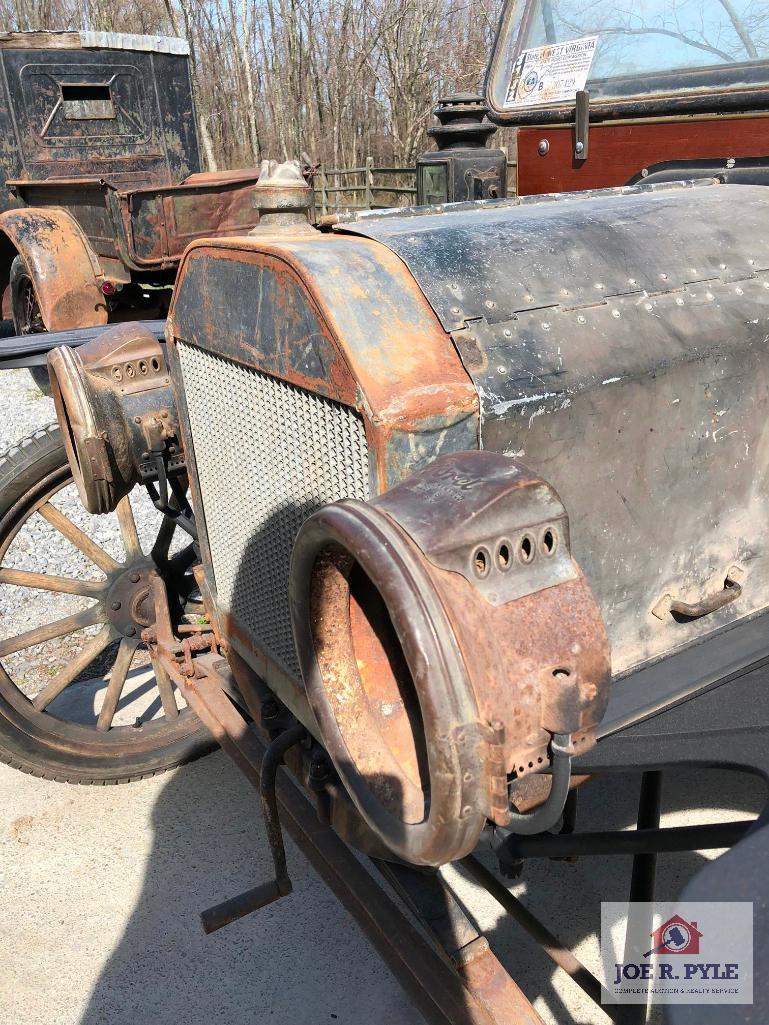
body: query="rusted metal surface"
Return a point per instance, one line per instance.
(731, 591)
(266, 893)
(284, 198)
(287, 687)
(345, 321)
(530, 792)
(173, 654)
(447, 637)
(341, 318)
(462, 167)
(525, 647)
(491, 985)
(425, 679)
(283, 334)
(103, 112)
(114, 402)
(158, 223)
(429, 897)
(147, 227)
(62, 265)
(340, 321)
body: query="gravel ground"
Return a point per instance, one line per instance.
(24, 407)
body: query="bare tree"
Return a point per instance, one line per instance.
(345, 79)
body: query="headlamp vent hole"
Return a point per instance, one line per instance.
(504, 557)
(481, 562)
(526, 549)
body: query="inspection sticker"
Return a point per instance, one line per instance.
(549, 74)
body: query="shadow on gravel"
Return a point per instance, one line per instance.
(303, 961)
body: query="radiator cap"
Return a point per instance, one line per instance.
(282, 197)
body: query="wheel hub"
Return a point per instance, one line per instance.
(129, 600)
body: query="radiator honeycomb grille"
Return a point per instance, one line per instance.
(267, 454)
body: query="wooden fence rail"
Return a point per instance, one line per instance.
(329, 196)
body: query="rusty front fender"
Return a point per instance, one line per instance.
(62, 265)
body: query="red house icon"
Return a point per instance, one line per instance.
(676, 936)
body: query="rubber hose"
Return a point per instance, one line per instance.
(546, 816)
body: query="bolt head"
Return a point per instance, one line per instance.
(115, 606)
(130, 631)
(543, 147)
(579, 148)
(135, 578)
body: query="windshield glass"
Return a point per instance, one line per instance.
(622, 49)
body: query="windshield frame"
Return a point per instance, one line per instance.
(684, 91)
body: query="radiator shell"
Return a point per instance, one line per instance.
(306, 371)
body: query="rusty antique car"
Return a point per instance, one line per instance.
(474, 500)
(101, 185)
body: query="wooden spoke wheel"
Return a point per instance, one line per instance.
(80, 700)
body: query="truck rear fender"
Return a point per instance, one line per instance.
(63, 267)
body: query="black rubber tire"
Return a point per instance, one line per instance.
(23, 744)
(40, 376)
(20, 279)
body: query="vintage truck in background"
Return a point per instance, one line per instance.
(101, 187)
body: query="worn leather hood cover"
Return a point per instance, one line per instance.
(618, 344)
